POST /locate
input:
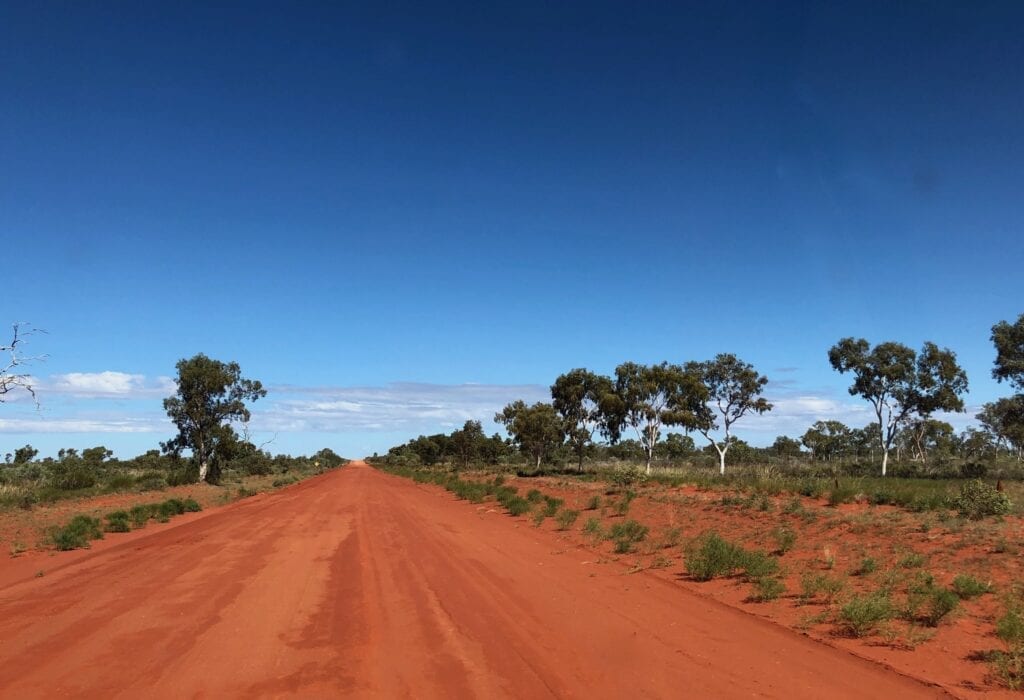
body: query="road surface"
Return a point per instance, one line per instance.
(361, 584)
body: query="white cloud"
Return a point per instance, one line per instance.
(84, 424)
(116, 385)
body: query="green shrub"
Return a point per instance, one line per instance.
(122, 482)
(710, 556)
(867, 566)
(538, 517)
(625, 477)
(967, 587)
(812, 584)
(672, 537)
(978, 500)
(180, 477)
(622, 506)
(118, 521)
(566, 518)
(499, 480)
(551, 505)
(534, 496)
(626, 534)
(517, 505)
(594, 503)
(784, 539)
(1010, 628)
(77, 533)
(757, 565)
(767, 588)
(862, 614)
(593, 528)
(912, 560)
(140, 515)
(940, 602)
(843, 493)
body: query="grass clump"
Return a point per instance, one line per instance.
(967, 587)
(594, 503)
(566, 518)
(784, 539)
(534, 496)
(912, 560)
(1009, 665)
(626, 534)
(711, 556)
(767, 588)
(77, 533)
(928, 603)
(593, 528)
(813, 584)
(517, 505)
(862, 614)
(622, 506)
(118, 521)
(551, 506)
(867, 566)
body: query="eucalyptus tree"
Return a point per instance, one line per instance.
(827, 440)
(649, 397)
(900, 383)
(536, 430)
(1004, 420)
(211, 395)
(1009, 341)
(578, 397)
(733, 390)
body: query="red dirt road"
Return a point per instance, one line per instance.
(361, 584)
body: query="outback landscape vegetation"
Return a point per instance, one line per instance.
(512, 350)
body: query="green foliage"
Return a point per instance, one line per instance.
(912, 560)
(710, 556)
(624, 478)
(534, 496)
(978, 500)
(813, 584)
(77, 533)
(767, 588)
(757, 565)
(626, 534)
(551, 505)
(785, 538)
(1010, 629)
(861, 615)
(140, 515)
(118, 521)
(593, 528)
(566, 518)
(623, 504)
(536, 430)
(593, 503)
(967, 587)
(517, 505)
(867, 566)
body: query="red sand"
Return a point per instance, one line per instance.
(362, 584)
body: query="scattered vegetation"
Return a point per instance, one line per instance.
(862, 614)
(626, 534)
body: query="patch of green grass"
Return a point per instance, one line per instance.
(593, 503)
(785, 538)
(867, 566)
(626, 534)
(912, 560)
(812, 584)
(551, 505)
(517, 505)
(118, 521)
(967, 587)
(767, 588)
(711, 556)
(622, 505)
(566, 518)
(534, 496)
(77, 533)
(538, 518)
(593, 528)
(862, 615)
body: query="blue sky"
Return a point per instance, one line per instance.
(400, 215)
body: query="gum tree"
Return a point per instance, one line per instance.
(578, 396)
(900, 383)
(536, 429)
(733, 390)
(1009, 341)
(11, 376)
(211, 395)
(649, 397)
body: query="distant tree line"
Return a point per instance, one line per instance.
(630, 416)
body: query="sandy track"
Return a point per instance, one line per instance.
(360, 584)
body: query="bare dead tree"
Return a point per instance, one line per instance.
(11, 375)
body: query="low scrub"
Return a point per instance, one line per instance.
(863, 614)
(967, 587)
(566, 518)
(626, 534)
(118, 521)
(77, 533)
(978, 500)
(711, 556)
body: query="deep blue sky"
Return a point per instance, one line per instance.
(349, 197)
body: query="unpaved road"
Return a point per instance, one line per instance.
(361, 584)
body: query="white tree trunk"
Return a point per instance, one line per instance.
(204, 469)
(721, 461)
(885, 460)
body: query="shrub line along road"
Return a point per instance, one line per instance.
(361, 584)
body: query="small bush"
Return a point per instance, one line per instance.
(974, 470)
(594, 503)
(758, 565)
(593, 528)
(566, 518)
(517, 505)
(862, 614)
(967, 587)
(626, 534)
(77, 533)
(710, 556)
(122, 482)
(672, 537)
(912, 560)
(118, 521)
(534, 496)
(842, 493)
(499, 480)
(784, 539)
(1010, 628)
(551, 505)
(538, 518)
(940, 602)
(978, 500)
(812, 584)
(140, 515)
(622, 507)
(768, 588)
(625, 477)
(867, 566)
(180, 477)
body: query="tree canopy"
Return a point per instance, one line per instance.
(211, 395)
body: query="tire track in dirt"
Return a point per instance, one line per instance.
(361, 584)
